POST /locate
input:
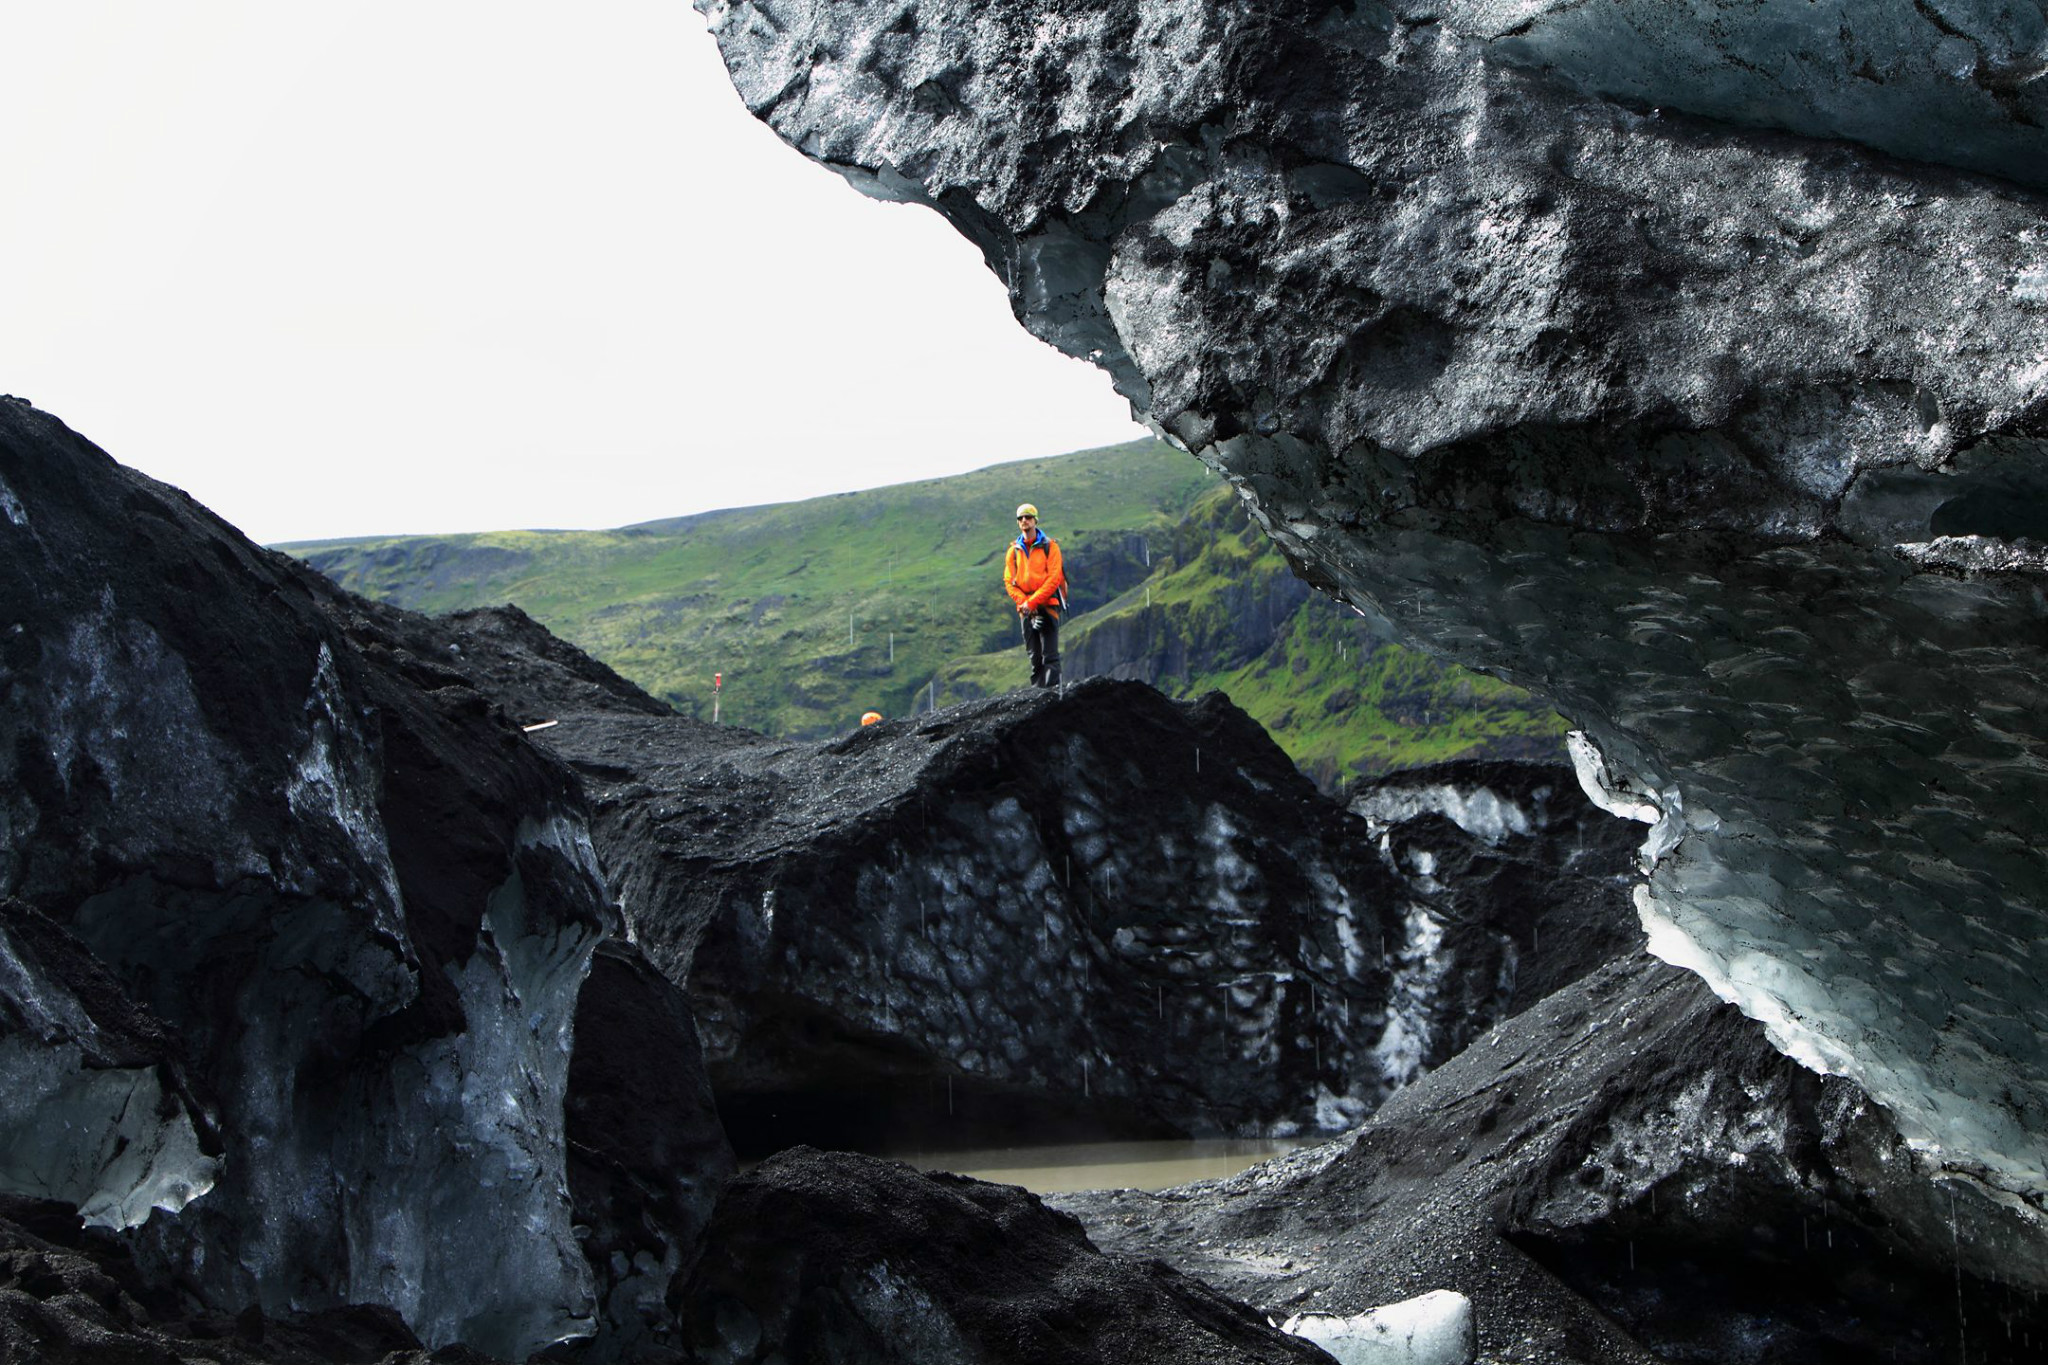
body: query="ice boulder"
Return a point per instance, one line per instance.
(1432, 1329)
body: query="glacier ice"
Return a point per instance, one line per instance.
(424, 1222)
(1431, 1329)
(84, 1116)
(1420, 966)
(1587, 351)
(1480, 811)
(107, 1140)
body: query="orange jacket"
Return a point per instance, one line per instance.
(1035, 576)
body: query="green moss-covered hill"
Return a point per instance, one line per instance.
(890, 599)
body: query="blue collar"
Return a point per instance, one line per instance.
(1028, 545)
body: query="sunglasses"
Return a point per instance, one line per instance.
(1027, 518)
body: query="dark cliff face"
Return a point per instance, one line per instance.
(1100, 912)
(1719, 435)
(298, 929)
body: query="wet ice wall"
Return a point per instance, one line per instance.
(1678, 420)
(359, 906)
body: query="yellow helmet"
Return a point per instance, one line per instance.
(1025, 509)
(871, 718)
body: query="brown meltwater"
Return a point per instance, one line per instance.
(1154, 1165)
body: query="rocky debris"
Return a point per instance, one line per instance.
(72, 1296)
(277, 870)
(1083, 914)
(831, 1257)
(1720, 435)
(1626, 1172)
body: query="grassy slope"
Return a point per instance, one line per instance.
(765, 594)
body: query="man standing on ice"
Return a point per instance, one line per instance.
(1037, 583)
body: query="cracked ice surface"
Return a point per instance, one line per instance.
(1720, 438)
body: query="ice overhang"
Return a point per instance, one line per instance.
(1625, 381)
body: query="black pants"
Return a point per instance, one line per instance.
(1042, 643)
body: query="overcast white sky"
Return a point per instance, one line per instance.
(450, 265)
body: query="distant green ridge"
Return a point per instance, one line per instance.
(890, 599)
(1221, 610)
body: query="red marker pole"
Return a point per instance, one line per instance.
(717, 681)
